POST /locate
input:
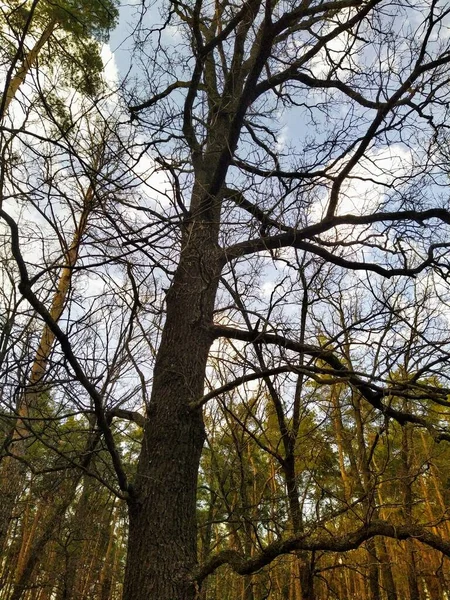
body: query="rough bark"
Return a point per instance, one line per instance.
(162, 537)
(386, 570)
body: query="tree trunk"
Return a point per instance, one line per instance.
(306, 572)
(369, 503)
(305, 559)
(55, 505)
(13, 471)
(28, 62)
(52, 521)
(408, 478)
(374, 584)
(162, 544)
(386, 570)
(105, 579)
(81, 539)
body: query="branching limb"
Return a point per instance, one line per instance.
(325, 543)
(128, 415)
(154, 99)
(373, 395)
(27, 292)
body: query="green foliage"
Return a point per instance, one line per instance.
(82, 18)
(86, 18)
(81, 64)
(75, 31)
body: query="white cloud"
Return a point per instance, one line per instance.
(110, 70)
(364, 190)
(366, 186)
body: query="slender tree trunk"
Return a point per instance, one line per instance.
(106, 574)
(80, 540)
(295, 591)
(340, 435)
(12, 468)
(12, 475)
(406, 450)
(374, 584)
(27, 64)
(55, 506)
(207, 540)
(34, 554)
(386, 570)
(366, 480)
(305, 559)
(27, 540)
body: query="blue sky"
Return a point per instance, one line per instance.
(120, 41)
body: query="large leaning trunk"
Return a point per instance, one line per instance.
(162, 537)
(162, 547)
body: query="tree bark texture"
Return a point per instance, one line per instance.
(162, 537)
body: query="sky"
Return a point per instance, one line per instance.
(121, 41)
(384, 163)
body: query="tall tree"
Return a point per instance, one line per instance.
(71, 26)
(248, 61)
